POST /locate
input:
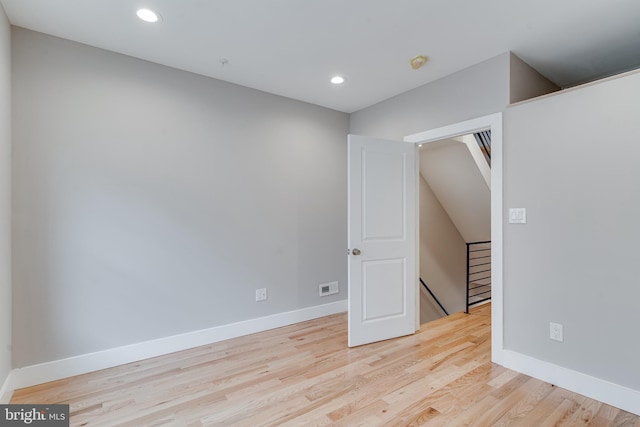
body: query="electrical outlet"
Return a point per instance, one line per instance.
(261, 294)
(325, 289)
(555, 332)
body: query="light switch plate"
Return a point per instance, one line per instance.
(517, 216)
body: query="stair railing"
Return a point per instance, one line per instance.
(478, 273)
(483, 139)
(434, 297)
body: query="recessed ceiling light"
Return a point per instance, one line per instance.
(147, 15)
(337, 80)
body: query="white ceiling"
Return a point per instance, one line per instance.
(292, 47)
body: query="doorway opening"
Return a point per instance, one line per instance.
(454, 225)
(494, 124)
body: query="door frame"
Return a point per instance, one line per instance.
(491, 122)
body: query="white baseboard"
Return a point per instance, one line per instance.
(592, 387)
(77, 365)
(7, 389)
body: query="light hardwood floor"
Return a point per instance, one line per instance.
(305, 375)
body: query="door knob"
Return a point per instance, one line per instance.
(356, 251)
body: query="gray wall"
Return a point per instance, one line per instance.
(150, 202)
(5, 197)
(525, 82)
(572, 160)
(455, 178)
(442, 255)
(429, 310)
(473, 92)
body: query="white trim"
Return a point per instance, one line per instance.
(592, 387)
(416, 215)
(77, 365)
(6, 391)
(459, 129)
(493, 122)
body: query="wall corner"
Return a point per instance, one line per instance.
(525, 82)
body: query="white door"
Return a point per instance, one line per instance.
(382, 239)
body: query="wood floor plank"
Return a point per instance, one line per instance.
(535, 390)
(305, 375)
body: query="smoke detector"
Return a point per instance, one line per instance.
(419, 61)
